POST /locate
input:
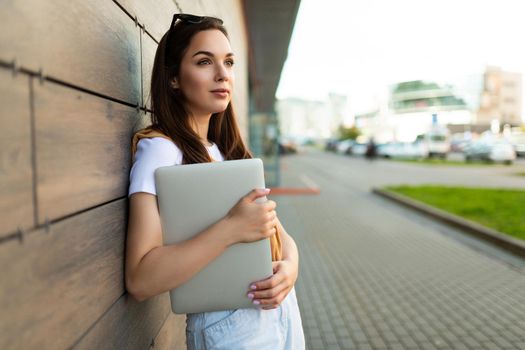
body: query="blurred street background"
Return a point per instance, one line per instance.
(413, 83)
(416, 79)
(423, 100)
(375, 275)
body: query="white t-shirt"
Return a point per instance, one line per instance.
(153, 153)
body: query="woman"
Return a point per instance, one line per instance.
(193, 122)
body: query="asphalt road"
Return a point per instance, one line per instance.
(374, 275)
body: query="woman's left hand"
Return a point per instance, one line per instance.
(269, 293)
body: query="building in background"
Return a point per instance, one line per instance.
(418, 96)
(412, 108)
(300, 118)
(474, 103)
(500, 98)
(315, 120)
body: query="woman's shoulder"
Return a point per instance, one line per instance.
(154, 146)
(149, 132)
(151, 142)
(157, 144)
(158, 148)
(150, 154)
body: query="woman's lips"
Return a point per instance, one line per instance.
(220, 92)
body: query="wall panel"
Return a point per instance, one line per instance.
(172, 335)
(128, 324)
(83, 149)
(149, 47)
(57, 283)
(91, 44)
(16, 175)
(157, 19)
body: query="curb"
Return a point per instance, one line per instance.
(511, 244)
(284, 191)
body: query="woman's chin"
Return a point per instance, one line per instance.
(219, 109)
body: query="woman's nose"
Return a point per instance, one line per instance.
(223, 73)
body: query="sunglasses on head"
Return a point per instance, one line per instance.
(187, 18)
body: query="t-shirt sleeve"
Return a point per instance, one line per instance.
(152, 153)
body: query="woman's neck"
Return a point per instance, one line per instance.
(200, 125)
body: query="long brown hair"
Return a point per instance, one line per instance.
(169, 114)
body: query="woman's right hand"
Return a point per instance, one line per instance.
(251, 220)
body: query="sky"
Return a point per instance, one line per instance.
(360, 47)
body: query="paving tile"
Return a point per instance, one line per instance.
(316, 343)
(502, 342)
(364, 346)
(427, 346)
(408, 342)
(347, 343)
(492, 346)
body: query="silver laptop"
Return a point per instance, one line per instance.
(193, 197)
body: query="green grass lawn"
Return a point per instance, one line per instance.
(500, 209)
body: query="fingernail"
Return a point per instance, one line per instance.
(250, 295)
(256, 302)
(253, 286)
(266, 190)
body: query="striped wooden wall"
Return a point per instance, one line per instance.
(74, 85)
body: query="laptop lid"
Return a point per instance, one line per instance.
(193, 197)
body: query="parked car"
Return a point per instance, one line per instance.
(458, 141)
(383, 149)
(490, 149)
(287, 147)
(331, 145)
(417, 149)
(437, 141)
(359, 149)
(344, 146)
(518, 141)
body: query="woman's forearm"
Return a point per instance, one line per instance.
(167, 267)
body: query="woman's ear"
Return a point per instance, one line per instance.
(174, 83)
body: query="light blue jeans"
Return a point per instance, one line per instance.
(237, 329)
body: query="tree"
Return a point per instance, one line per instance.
(348, 133)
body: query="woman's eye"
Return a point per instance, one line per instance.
(230, 63)
(204, 62)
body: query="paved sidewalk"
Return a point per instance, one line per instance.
(374, 277)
